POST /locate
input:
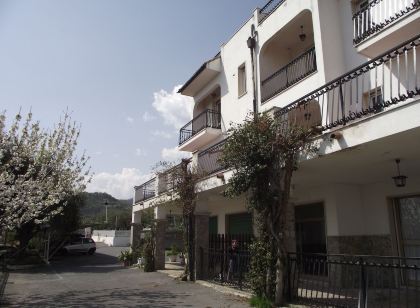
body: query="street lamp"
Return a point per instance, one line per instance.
(106, 210)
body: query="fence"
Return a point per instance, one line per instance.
(353, 281)
(378, 14)
(227, 265)
(288, 75)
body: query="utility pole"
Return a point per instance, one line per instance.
(116, 222)
(106, 211)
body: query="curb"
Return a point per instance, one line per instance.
(224, 290)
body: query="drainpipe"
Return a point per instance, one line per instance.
(251, 42)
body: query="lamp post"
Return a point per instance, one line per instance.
(106, 210)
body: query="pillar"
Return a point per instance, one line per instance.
(160, 244)
(201, 239)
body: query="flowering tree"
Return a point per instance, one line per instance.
(39, 171)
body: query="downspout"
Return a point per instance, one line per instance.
(251, 42)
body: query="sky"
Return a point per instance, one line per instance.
(116, 67)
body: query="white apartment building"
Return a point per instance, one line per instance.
(351, 68)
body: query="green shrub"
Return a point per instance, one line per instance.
(260, 302)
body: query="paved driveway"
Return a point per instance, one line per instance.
(99, 280)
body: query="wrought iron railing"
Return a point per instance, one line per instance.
(353, 281)
(386, 80)
(145, 191)
(168, 179)
(378, 14)
(269, 8)
(288, 75)
(206, 119)
(225, 264)
(208, 159)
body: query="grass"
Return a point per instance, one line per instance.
(260, 302)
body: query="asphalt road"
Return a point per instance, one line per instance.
(100, 281)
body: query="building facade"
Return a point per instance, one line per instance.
(349, 68)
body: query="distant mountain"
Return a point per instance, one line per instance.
(93, 210)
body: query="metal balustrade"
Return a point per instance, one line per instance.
(206, 119)
(208, 159)
(288, 75)
(386, 80)
(324, 280)
(269, 8)
(145, 191)
(378, 14)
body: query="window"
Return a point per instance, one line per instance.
(373, 99)
(241, 80)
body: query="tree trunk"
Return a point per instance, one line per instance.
(191, 246)
(24, 235)
(279, 298)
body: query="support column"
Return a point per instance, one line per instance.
(135, 229)
(160, 244)
(201, 239)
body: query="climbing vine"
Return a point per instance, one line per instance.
(263, 153)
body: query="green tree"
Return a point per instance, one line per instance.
(39, 172)
(263, 154)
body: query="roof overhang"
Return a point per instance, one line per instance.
(202, 76)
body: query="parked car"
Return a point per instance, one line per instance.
(80, 245)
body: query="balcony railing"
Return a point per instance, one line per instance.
(288, 75)
(207, 119)
(269, 8)
(388, 79)
(378, 14)
(168, 179)
(208, 160)
(353, 281)
(145, 191)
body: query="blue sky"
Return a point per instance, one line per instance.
(114, 65)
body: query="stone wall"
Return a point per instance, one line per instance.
(160, 244)
(201, 241)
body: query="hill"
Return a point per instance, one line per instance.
(93, 211)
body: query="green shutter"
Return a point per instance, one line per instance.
(213, 225)
(239, 223)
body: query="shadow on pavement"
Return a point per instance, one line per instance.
(106, 297)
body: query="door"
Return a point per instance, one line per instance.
(408, 210)
(310, 229)
(213, 226)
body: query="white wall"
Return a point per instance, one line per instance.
(117, 238)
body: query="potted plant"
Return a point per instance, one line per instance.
(173, 253)
(125, 257)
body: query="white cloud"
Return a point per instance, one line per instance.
(161, 133)
(140, 152)
(129, 119)
(175, 109)
(120, 185)
(173, 154)
(147, 117)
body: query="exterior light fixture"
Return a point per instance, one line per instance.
(399, 180)
(250, 42)
(302, 35)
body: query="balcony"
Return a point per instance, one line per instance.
(380, 24)
(145, 191)
(208, 160)
(201, 130)
(369, 89)
(288, 75)
(268, 9)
